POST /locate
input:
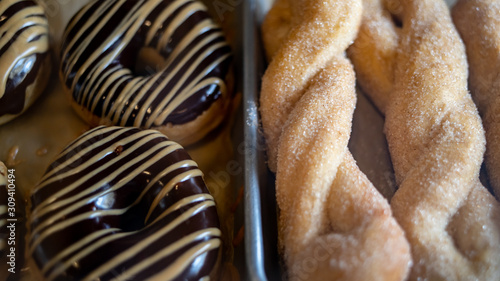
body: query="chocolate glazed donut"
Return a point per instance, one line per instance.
(24, 56)
(123, 204)
(185, 99)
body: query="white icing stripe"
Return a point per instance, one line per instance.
(98, 69)
(82, 201)
(76, 247)
(50, 204)
(3, 8)
(53, 216)
(161, 18)
(182, 262)
(200, 28)
(68, 222)
(99, 79)
(179, 83)
(168, 170)
(24, 34)
(171, 184)
(97, 156)
(182, 16)
(188, 257)
(77, 156)
(79, 15)
(85, 252)
(129, 84)
(87, 136)
(128, 31)
(162, 84)
(100, 242)
(115, 75)
(100, 13)
(17, 22)
(133, 250)
(182, 203)
(196, 83)
(75, 159)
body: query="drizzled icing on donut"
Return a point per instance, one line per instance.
(24, 45)
(123, 203)
(101, 46)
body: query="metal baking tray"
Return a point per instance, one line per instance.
(262, 259)
(367, 144)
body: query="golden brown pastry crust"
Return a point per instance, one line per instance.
(478, 22)
(435, 138)
(325, 29)
(334, 224)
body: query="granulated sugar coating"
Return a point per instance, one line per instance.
(435, 138)
(478, 22)
(334, 224)
(326, 29)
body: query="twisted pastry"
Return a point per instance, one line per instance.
(334, 224)
(478, 22)
(309, 46)
(418, 78)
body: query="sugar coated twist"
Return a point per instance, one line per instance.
(410, 60)
(334, 224)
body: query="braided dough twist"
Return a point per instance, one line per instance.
(478, 22)
(417, 76)
(334, 224)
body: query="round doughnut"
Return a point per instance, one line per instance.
(106, 42)
(24, 56)
(123, 204)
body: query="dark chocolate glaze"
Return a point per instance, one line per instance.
(113, 189)
(14, 99)
(101, 47)
(23, 54)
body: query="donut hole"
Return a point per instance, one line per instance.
(149, 61)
